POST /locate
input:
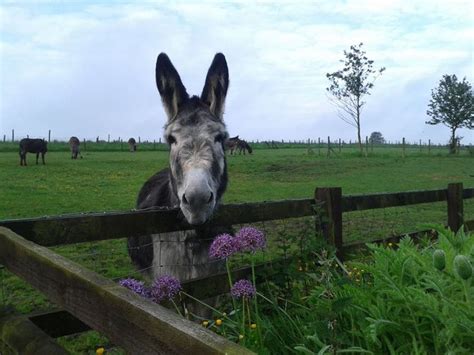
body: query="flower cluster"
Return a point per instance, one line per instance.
(248, 239)
(165, 288)
(243, 288)
(223, 247)
(136, 286)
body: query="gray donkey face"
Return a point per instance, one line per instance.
(196, 134)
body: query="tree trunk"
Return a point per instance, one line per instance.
(452, 143)
(361, 149)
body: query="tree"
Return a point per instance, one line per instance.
(349, 85)
(376, 138)
(452, 104)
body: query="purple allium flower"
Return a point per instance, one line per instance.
(243, 288)
(250, 239)
(165, 288)
(136, 286)
(223, 246)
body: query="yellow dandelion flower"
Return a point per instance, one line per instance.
(253, 326)
(219, 322)
(205, 323)
(100, 351)
(390, 244)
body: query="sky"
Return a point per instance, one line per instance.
(87, 68)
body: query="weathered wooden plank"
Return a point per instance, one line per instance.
(20, 336)
(69, 229)
(60, 322)
(383, 200)
(136, 324)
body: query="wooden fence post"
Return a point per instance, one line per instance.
(13, 135)
(329, 146)
(455, 206)
(49, 135)
(84, 143)
(429, 146)
(366, 146)
(403, 147)
(330, 199)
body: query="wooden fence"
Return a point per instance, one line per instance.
(136, 324)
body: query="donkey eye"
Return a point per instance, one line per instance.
(171, 139)
(219, 138)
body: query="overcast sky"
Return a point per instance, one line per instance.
(87, 68)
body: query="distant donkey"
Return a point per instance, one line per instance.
(74, 144)
(32, 145)
(243, 146)
(232, 144)
(132, 144)
(196, 178)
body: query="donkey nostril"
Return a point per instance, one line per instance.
(210, 198)
(184, 199)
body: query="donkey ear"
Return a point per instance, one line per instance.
(172, 91)
(216, 85)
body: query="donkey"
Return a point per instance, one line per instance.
(243, 146)
(32, 145)
(74, 144)
(132, 145)
(232, 144)
(196, 178)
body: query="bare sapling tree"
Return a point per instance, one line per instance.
(452, 104)
(351, 84)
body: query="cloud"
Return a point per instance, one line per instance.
(88, 70)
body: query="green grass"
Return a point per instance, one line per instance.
(105, 181)
(108, 179)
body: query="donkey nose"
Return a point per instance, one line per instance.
(197, 198)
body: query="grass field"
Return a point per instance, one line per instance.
(109, 179)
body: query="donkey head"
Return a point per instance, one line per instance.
(196, 133)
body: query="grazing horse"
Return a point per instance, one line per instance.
(132, 144)
(195, 179)
(74, 144)
(243, 146)
(32, 145)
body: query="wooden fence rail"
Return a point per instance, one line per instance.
(128, 320)
(70, 229)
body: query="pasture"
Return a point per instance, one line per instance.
(110, 180)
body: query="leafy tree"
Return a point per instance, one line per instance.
(376, 138)
(351, 84)
(452, 104)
